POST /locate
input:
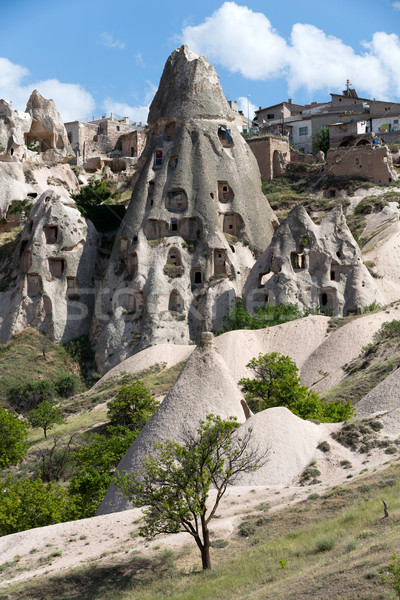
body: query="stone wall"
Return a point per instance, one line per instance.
(374, 163)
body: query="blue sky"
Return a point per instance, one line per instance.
(93, 57)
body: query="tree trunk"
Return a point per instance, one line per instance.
(205, 550)
(205, 557)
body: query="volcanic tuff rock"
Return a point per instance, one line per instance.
(48, 130)
(49, 284)
(14, 125)
(314, 266)
(197, 211)
(204, 386)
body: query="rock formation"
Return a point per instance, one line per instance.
(14, 126)
(314, 266)
(204, 386)
(47, 132)
(197, 212)
(49, 282)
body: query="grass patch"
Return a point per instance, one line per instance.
(22, 361)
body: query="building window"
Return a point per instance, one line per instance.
(158, 158)
(303, 131)
(270, 116)
(117, 128)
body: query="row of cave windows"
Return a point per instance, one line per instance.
(176, 200)
(56, 266)
(34, 285)
(224, 135)
(327, 302)
(174, 259)
(134, 302)
(190, 228)
(51, 233)
(298, 262)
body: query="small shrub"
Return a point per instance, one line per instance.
(372, 574)
(388, 330)
(264, 506)
(66, 386)
(219, 544)
(309, 475)
(387, 483)
(351, 546)
(246, 528)
(366, 533)
(376, 425)
(324, 545)
(346, 464)
(365, 488)
(391, 450)
(313, 496)
(173, 271)
(282, 563)
(324, 446)
(373, 306)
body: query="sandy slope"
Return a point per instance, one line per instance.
(297, 339)
(340, 347)
(170, 354)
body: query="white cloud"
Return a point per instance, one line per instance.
(107, 40)
(71, 99)
(244, 41)
(248, 110)
(239, 39)
(136, 113)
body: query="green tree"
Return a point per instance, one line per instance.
(174, 485)
(392, 574)
(277, 383)
(45, 416)
(321, 140)
(13, 432)
(96, 463)
(25, 504)
(132, 406)
(26, 396)
(93, 194)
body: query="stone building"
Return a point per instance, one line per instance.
(272, 155)
(363, 160)
(105, 137)
(195, 218)
(315, 266)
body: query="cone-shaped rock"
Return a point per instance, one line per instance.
(205, 386)
(196, 217)
(49, 283)
(314, 266)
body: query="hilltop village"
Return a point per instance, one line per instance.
(149, 246)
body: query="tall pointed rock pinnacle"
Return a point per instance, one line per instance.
(196, 219)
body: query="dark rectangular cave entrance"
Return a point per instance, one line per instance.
(51, 233)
